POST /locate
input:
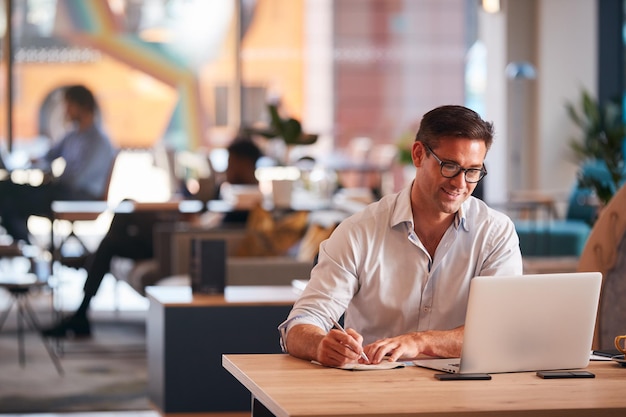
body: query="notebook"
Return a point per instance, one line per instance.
(526, 323)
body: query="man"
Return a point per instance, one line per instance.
(130, 236)
(243, 155)
(401, 268)
(88, 156)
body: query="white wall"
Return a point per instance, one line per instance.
(559, 37)
(567, 61)
(319, 111)
(491, 32)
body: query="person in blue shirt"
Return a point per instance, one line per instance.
(130, 236)
(88, 155)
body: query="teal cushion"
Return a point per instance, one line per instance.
(552, 238)
(580, 206)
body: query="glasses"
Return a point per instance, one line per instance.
(452, 169)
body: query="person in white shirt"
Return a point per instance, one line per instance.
(400, 269)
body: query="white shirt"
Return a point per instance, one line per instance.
(375, 268)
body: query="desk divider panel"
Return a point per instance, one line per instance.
(186, 344)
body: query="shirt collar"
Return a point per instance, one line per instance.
(402, 212)
(460, 220)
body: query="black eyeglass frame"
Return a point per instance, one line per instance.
(457, 168)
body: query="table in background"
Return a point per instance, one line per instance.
(286, 386)
(549, 264)
(188, 333)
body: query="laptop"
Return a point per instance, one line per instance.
(526, 323)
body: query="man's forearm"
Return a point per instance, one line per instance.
(442, 343)
(303, 341)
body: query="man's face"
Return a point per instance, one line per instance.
(238, 170)
(72, 111)
(447, 194)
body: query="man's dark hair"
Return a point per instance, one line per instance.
(453, 122)
(244, 147)
(81, 96)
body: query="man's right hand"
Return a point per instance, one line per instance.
(335, 348)
(338, 348)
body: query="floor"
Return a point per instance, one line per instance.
(111, 298)
(99, 414)
(148, 413)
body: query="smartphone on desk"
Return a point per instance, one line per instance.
(564, 374)
(463, 377)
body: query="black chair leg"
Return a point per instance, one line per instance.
(26, 317)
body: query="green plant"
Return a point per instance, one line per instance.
(288, 129)
(603, 131)
(405, 145)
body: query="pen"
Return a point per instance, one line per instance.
(337, 325)
(609, 354)
(603, 354)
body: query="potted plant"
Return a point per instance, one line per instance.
(600, 149)
(405, 146)
(283, 133)
(286, 129)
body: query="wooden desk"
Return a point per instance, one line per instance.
(291, 387)
(89, 208)
(174, 206)
(188, 333)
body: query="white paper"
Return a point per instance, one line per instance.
(369, 367)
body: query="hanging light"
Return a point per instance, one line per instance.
(491, 6)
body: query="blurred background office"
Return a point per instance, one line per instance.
(188, 74)
(177, 79)
(183, 76)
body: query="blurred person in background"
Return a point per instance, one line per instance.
(130, 236)
(88, 155)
